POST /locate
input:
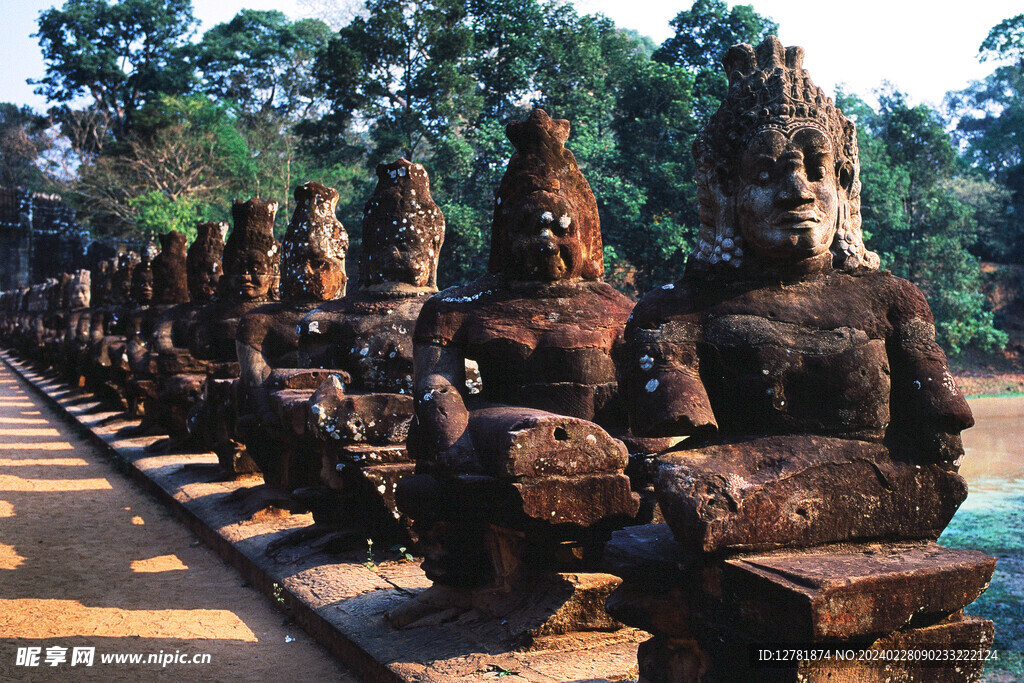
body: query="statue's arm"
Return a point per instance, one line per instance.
(163, 337)
(661, 374)
(928, 411)
(441, 413)
(253, 366)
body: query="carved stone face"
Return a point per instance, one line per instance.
(398, 257)
(320, 276)
(142, 284)
(79, 295)
(788, 198)
(255, 275)
(544, 243)
(202, 284)
(203, 261)
(403, 229)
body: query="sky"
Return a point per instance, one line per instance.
(922, 50)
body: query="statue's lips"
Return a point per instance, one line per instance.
(798, 220)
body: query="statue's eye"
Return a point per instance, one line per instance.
(816, 169)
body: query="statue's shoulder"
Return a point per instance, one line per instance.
(441, 318)
(464, 297)
(668, 302)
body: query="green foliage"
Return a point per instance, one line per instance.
(702, 36)
(1005, 41)
(704, 32)
(922, 213)
(22, 140)
(989, 118)
(183, 153)
(122, 55)
(157, 213)
(261, 61)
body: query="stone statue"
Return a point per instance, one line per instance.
(785, 353)
(179, 377)
(252, 259)
(359, 416)
(816, 405)
(312, 271)
(109, 323)
(525, 469)
(168, 286)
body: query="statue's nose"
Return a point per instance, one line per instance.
(794, 188)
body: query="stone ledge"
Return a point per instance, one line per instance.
(335, 598)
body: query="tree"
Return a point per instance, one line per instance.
(120, 55)
(921, 214)
(261, 62)
(989, 118)
(180, 163)
(22, 141)
(655, 126)
(703, 34)
(1005, 41)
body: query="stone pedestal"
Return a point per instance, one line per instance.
(554, 605)
(356, 447)
(897, 607)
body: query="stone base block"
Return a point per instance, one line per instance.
(556, 605)
(801, 491)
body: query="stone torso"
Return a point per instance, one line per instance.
(545, 346)
(273, 330)
(804, 357)
(368, 336)
(213, 336)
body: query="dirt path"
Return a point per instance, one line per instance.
(89, 561)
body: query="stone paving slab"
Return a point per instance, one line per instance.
(337, 598)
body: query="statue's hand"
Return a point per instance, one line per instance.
(442, 416)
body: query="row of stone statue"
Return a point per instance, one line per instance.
(511, 424)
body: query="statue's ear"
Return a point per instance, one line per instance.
(844, 175)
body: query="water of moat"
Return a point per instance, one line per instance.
(992, 520)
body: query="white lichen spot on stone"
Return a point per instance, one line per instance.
(547, 217)
(646, 362)
(651, 385)
(314, 327)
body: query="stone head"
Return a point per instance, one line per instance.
(252, 257)
(103, 282)
(121, 287)
(59, 296)
(79, 290)
(142, 276)
(169, 279)
(204, 261)
(546, 226)
(314, 248)
(403, 229)
(777, 168)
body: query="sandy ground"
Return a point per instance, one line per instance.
(87, 560)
